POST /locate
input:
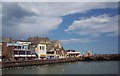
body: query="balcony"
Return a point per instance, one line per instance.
(24, 55)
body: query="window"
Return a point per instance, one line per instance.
(32, 51)
(42, 47)
(22, 47)
(25, 47)
(22, 52)
(16, 52)
(15, 47)
(19, 47)
(28, 52)
(28, 47)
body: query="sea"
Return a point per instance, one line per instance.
(80, 67)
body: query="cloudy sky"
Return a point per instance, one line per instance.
(78, 25)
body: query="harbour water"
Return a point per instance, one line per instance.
(81, 67)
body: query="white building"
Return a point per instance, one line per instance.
(25, 44)
(21, 50)
(40, 50)
(73, 54)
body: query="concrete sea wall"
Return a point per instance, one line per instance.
(37, 62)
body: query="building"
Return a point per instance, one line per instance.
(53, 47)
(39, 40)
(18, 51)
(25, 44)
(60, 52)
(4, 50)
(72, 53)
(32, 48)
(20, 54)
(6, 39)
(87, 54)
(55, 43)
(50, 45)
(40, 50)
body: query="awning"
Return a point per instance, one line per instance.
(42, 55)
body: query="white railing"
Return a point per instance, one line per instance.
(16, 55)
(24, 55)
(21, 49)
(33, 55)
(73, 52)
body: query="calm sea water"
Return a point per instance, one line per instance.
(96, 67)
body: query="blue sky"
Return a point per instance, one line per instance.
(78, 25)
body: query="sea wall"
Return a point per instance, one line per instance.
(98, 57)
(37, 62)
(95, 57)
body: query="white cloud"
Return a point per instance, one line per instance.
(61, 9)
(40, 25)
(45, 16)
(34, 26)
(95, 25)
(79, 40)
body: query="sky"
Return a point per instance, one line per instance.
(77, 25)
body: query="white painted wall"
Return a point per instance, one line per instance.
(40, 49)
